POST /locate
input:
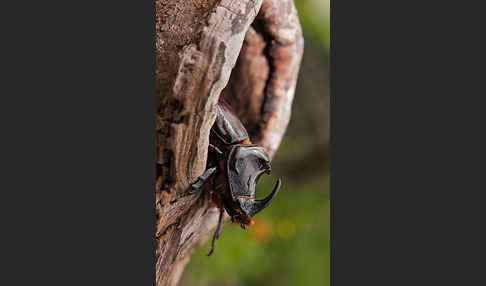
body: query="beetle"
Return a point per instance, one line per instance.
(233, 168)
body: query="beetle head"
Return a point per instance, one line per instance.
(246, 163)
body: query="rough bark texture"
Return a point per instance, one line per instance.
(197, 46)
(264, 79)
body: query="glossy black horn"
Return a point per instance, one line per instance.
(252, 207)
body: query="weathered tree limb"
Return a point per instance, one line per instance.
(197, 45)
(264, 79)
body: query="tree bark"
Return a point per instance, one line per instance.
(198, 43)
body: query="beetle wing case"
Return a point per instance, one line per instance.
(227, 127)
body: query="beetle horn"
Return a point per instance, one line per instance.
(252, 207)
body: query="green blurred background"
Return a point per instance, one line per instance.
(289, 242)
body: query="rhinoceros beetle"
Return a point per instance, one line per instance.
(233, 168)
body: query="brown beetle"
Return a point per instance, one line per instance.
(233, 168)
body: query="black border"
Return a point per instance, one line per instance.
(407, 127)
(79, 141)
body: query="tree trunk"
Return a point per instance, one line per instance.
(198, 42)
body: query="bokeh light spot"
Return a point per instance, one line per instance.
(262, 230)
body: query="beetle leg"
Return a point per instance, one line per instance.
(218, 231)
(216, 150)
(197, 186)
